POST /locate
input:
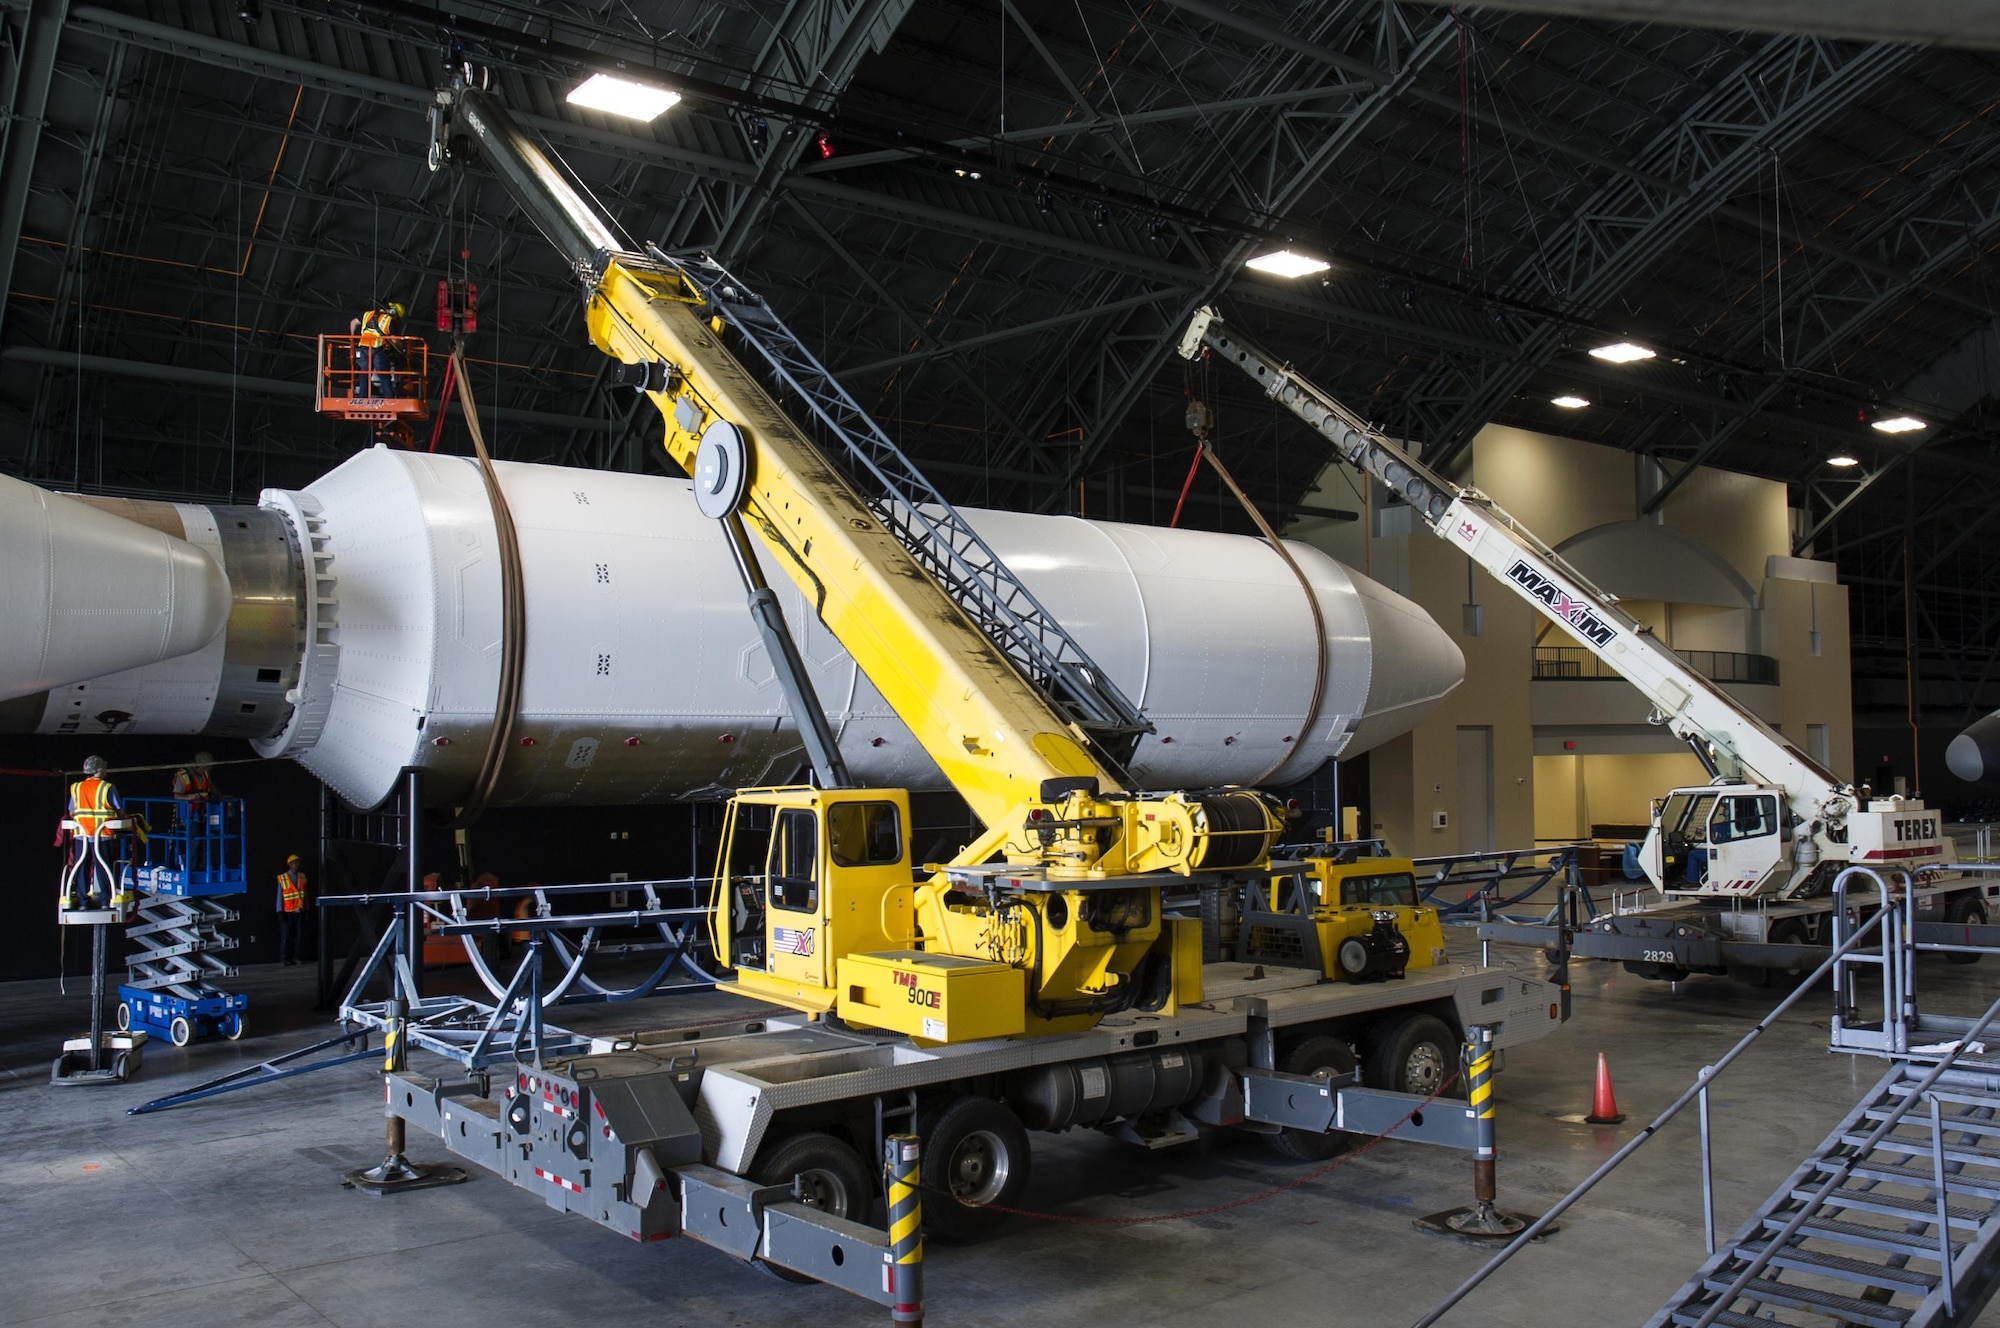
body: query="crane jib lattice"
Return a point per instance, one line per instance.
(934, 532)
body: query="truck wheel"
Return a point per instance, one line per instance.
(1414, 1054)
(1965, 911)
(180, 1031)
(233, 1030)
(1315, 1055)
(831, 1179)
(1789, 931)
(975, 1154)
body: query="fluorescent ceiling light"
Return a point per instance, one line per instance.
(1569, 402)
(1842, 461)
(621, 96)
(1621, 352)
(1285, 263)
(1900, 424)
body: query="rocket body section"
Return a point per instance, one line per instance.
(378, 647)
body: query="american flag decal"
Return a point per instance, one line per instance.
(792, 940)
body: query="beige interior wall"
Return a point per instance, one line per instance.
(1559, 798)
(1573, 793)
(1816, 689)
(1421, 777)
(1706, 627)
(1557, 487)
(1741, 517)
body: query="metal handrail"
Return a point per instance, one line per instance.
(1699, 1089)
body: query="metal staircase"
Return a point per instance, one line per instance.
(1858, 1233)
(937, 536)
(1894, 1220)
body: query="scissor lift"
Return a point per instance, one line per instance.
(187, 866)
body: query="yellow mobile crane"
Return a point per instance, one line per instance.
(1051, 918)
(1035, 981)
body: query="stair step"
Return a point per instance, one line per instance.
(1923, 1121)
(1873, 1238)
(1851, 1308)
(1851, 1270)
(1971, 1157)
(1917, 1176)
(1726, 1319)
(1890, 1204)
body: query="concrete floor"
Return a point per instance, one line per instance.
(230, 1212)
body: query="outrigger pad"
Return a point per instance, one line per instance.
(397, 1173)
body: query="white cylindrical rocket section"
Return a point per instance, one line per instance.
(645, 680)
(85, 592)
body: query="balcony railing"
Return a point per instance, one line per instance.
(1570, 664)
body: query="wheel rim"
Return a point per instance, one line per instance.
(1424, 1071)
(978, 1168)
(823, 1190)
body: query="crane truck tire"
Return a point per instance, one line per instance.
(831, 1176)
(1414, 1054)
(1966, 910)
(975, 1164)
(1314, 1056)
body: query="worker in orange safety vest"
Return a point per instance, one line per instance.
(374, 352)
(93, 805)
(291, 909)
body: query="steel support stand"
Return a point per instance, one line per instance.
(1482, 1222)
(904, 1261)
(413, 943)
(396, 1172)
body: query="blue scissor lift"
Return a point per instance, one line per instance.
(195, 859)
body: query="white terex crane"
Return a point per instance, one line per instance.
(1773, 824)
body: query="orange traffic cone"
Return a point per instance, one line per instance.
(1603, 1103)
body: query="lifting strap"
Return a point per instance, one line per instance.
(513, 610)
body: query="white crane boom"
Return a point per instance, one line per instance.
(1747, 757)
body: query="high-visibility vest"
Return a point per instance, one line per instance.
(92, 802)
(291, 890)
(193, 785)
(375, 327)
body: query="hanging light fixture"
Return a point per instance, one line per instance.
(1284, 263)
(622, 96)
(1621, 352)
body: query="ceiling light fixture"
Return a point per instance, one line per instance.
(1842, 462)
(1569, 401)
(622, 96)
(1621, 352)
(1285, 263)
(1899, 424)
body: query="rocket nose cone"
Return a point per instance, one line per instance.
(1974, 755)
(1416, 664)
(88, 593)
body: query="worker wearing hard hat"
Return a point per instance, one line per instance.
(193, 787)
(374, 350)
(96, 814)
(291, 909)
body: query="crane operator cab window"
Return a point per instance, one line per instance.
(1746, 842)
(791, 869)
(1683, 832)
(1398, 889)
(836, 881)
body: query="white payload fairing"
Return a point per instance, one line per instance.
(354, 626)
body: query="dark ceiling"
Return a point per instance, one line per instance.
(993, 220)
